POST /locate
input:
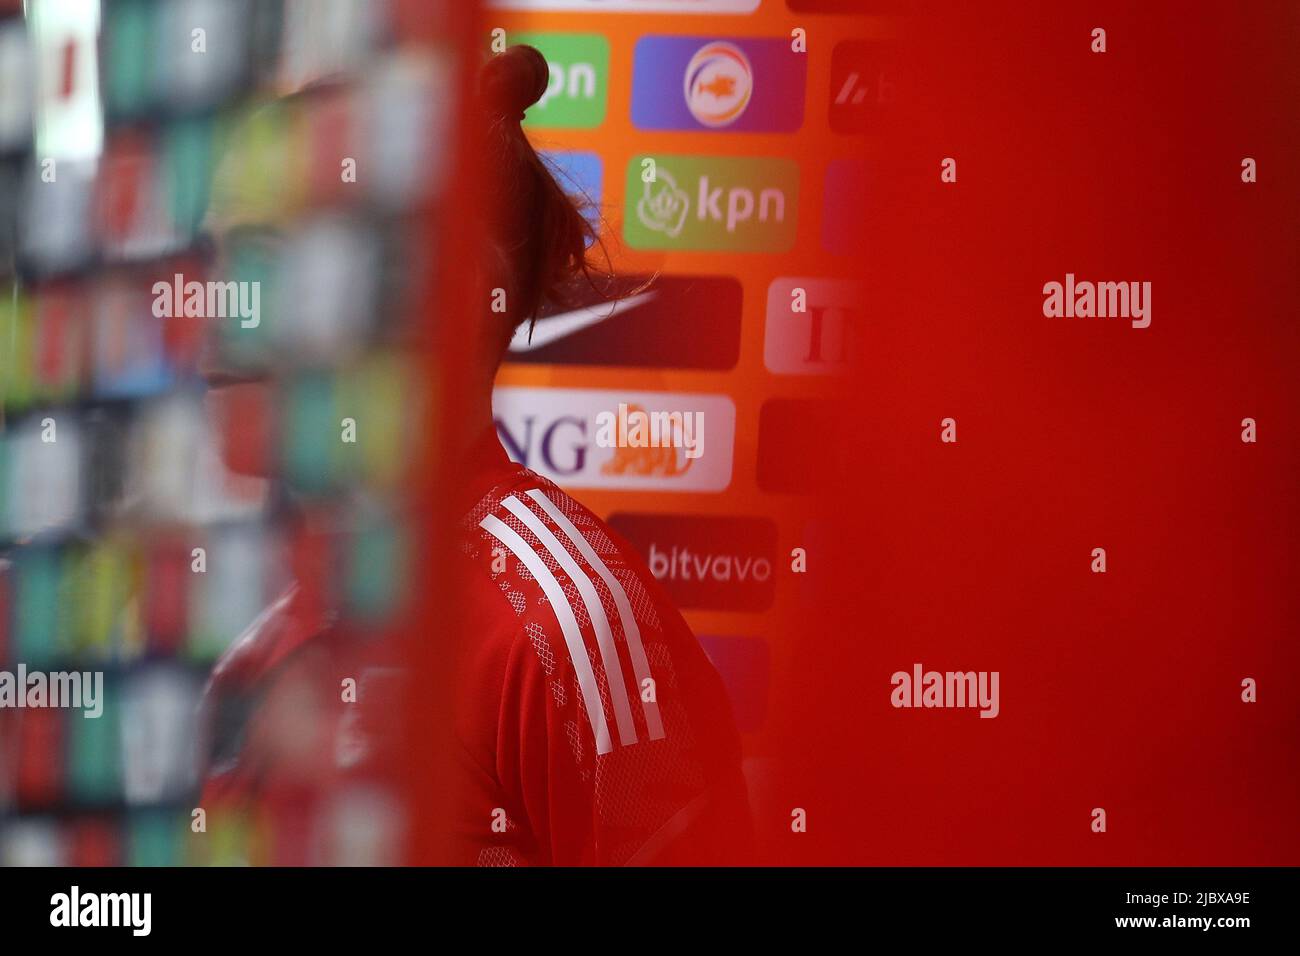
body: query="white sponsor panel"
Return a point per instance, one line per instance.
(810, 324)
(565, 434)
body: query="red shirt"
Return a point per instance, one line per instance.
(592, 729)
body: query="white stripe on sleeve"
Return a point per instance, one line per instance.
(568, 625)
(640, 664)
(595, 612)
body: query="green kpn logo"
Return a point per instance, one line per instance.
(577, 88)
(735, 203)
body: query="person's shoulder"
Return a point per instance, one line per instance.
(240, 680)
(540, 546)
(626, 688)
(581, 603)
(284, 626)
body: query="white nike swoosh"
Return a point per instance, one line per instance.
(555, 327)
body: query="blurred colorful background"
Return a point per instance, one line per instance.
(165, 477)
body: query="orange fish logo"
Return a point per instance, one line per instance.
(718, 84)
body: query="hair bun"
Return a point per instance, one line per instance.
(514, 80)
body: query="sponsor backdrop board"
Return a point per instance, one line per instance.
(721, 155)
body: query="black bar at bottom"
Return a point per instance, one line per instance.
(316, 907)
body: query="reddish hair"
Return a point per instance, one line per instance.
(538, 235)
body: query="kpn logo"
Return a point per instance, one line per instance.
(740, 204)
(577, 88)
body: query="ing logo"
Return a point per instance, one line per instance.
(668, 462)
(595, 438)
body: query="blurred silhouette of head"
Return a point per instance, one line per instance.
(538, 237)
